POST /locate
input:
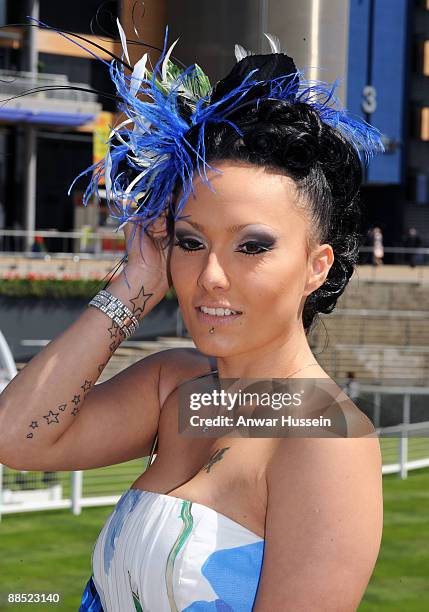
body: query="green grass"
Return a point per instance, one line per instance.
(418, 448)
(400, 582)
(50, 551)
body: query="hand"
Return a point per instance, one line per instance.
(148, 252)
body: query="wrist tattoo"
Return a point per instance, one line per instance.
(136, 309)
(117, 336)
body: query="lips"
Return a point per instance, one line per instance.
(224, 306)
(215, 319)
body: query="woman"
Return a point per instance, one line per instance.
(378, 249)
(268, 240)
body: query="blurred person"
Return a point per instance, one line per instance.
(87, 240)
(351, 387)
(38, 245)
(412, 241)
(269, 183)
(377, 247)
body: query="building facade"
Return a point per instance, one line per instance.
(48, 137)
(378, 49)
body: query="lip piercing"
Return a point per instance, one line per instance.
(211, 330)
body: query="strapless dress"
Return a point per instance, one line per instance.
(158, 553)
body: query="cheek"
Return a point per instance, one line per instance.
(278, 286)
(276, 283)
(184, 271)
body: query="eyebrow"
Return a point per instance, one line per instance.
(232, 229)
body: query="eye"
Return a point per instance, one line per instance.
(259, 246)
(184, 243)
(190, 245)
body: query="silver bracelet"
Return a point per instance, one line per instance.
(116, 310)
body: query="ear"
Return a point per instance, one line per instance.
(319, 264)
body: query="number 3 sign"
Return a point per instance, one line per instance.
(369, 99)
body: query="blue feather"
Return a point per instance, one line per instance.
(156, 147)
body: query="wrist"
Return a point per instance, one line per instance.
(131, 287)
(117, 311)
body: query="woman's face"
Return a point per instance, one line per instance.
(244, 247)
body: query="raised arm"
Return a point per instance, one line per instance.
(45, 398)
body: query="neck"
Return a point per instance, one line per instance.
(277, 359)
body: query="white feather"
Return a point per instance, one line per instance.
(241, 52)
(136, 180)
(165, 61)
(142, 129)
(119, 137)
(117, 127)
(123, 39)
(138, 74)
(274, 43)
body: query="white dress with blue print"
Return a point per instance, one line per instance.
(158, 553)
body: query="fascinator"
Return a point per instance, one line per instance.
(149, 153)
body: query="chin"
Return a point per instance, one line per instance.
(215, 347)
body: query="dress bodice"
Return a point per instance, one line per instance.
(158, 553)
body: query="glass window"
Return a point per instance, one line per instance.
(81, 70)
(64, 15)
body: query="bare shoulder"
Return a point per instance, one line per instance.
(325, 505)
(178, 365)
(358, 424)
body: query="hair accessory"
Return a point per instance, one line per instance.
(149, 153)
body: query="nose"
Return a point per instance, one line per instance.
(213, 275)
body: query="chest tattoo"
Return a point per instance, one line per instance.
(217, 456)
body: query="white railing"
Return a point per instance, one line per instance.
(397, 459)
(400, 252)
(61, 245)
(420, 441)
(376, 362)
(400, 455)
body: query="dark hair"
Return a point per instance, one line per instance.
(291, 138)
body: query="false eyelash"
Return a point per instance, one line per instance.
(263, 248)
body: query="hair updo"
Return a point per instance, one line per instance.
(325, 167)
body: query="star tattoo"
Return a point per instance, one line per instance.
(114, 345)
(53, 415)
(217, 456)
(34, 424)
(76, 400)
(29, 435)
(86, 386)
(75, 411)
(138, 310)
(113, 330)
(62, 407)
